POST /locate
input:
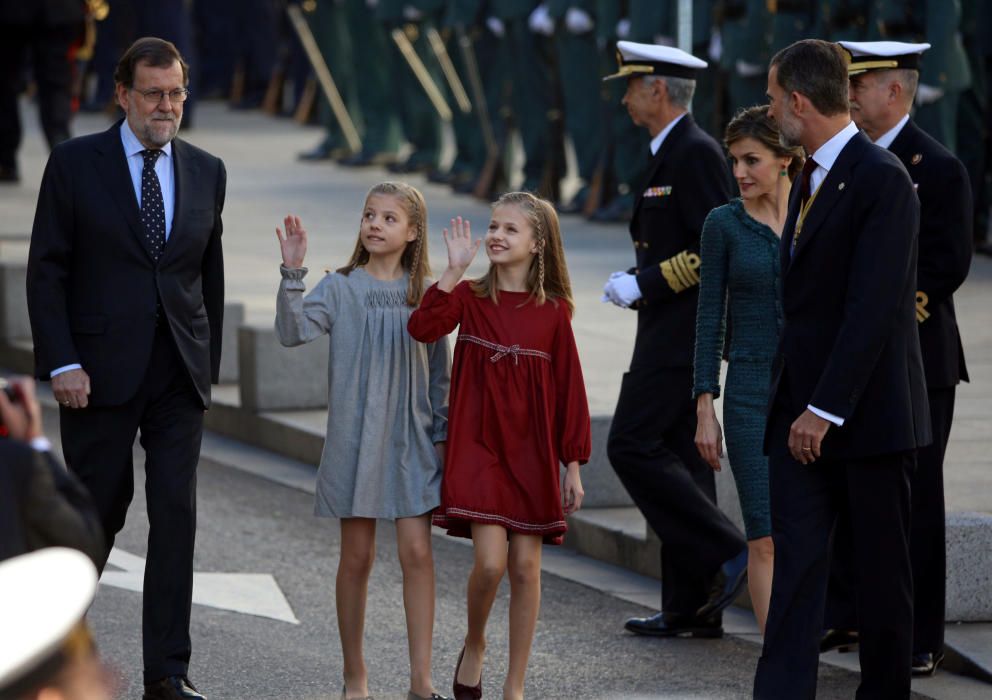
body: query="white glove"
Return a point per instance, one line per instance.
(926, 94)
(496, 26)
(578, 21)
(622, 289)
(540, 21)
(749, 70)
(663, 40)
(716, 46)
(623, 28)
(412, 14)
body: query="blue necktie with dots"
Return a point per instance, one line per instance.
(152, 205)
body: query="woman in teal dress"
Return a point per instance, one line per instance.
(739, 291)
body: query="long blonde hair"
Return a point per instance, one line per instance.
(548, 274)
(415, 259)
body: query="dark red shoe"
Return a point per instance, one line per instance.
(465, 692)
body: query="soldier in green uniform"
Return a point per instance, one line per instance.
(975, 112)
(377, 104)
(746, 35)
(420, 122)
(622, 20)
(944, 73)
(526, 57)
(328, 21)
(578, 58)
(842, 20)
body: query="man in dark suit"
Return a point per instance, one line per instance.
(848, 402)
(651, 444)
(884, 76)
(125, 294)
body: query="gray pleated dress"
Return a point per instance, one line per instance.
(387, 394)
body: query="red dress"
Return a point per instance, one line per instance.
(517, 408)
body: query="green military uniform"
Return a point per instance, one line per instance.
(377, 103)
(578, 61)
(419, 120)
(843, 20)
(747, 35)
(470, 149)
(973, 109)
(945, 65)
(329, 23)
(527, 58)
(631, 155)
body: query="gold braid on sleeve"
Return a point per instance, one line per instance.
(921, 307)
(681, 271)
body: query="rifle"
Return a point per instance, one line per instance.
(325, 78)
(420, 71)
(454, 82)
(491, 177)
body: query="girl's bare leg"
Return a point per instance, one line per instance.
(525, 603)
(413, 537)
(490, 563)
(351, 593)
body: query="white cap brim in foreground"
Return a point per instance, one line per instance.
(43, 596)
(652, 59)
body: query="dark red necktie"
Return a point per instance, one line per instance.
(808, 167)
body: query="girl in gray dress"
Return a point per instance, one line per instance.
(387, 413)
(740, 270)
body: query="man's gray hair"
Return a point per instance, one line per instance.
(680, 90)
(909, 80)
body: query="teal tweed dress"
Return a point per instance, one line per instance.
(740, 268)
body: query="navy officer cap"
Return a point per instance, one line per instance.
(650, 59)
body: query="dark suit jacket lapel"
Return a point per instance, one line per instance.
(184, 169)
(659, 157)
(111, 163)
(832, 189)
(788, 231)
(903, 145)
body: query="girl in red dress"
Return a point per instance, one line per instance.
(517, 409)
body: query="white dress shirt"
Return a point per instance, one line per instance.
(663, 134)
(825, 157)
(886, 139)
(166, 180)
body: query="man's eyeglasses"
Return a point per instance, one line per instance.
(154, 97)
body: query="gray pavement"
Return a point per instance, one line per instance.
(252, 525)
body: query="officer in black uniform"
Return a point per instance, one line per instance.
(651, 443)
(43, 30)
(884, 75)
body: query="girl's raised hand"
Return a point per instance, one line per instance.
(294, 243)
(461, 247)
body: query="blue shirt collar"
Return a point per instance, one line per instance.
(132, 146)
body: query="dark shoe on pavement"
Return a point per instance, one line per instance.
(9, 174)
(434, 696)
(323, 151)
(669, 625)
(841, 640)
(365, 158)
(926, 664)
(619, 210)
(171, 688)
(729, 583)
(344, 695)
(462, 691)
(578, 202)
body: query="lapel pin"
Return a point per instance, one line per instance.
(916, 159)
(841, 186)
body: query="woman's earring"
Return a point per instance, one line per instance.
(784, 172)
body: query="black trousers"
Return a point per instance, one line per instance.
(48, 49)
(927, 548)
(873, 495)
(652, 449)
(98, 445)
